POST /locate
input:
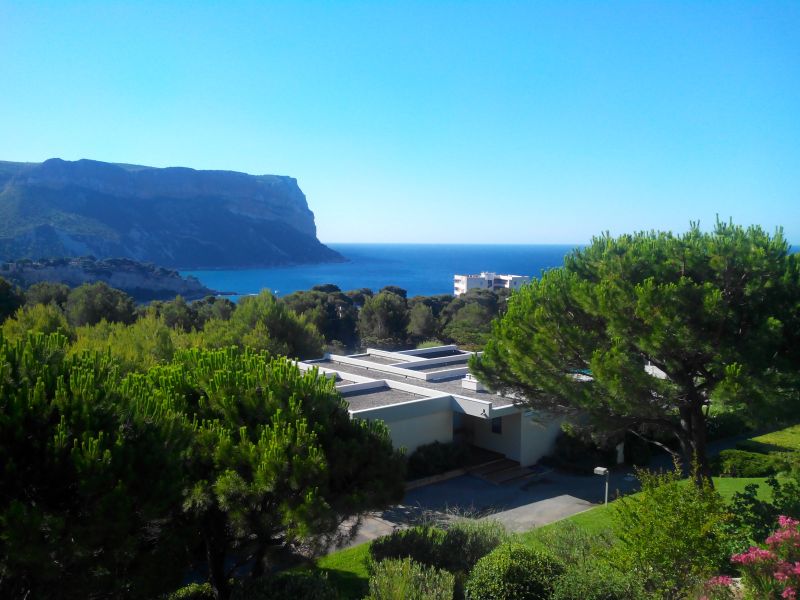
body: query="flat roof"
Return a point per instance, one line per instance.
(381, 360)
(376, 397)
(448, 386)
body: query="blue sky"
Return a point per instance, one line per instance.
(491, 122)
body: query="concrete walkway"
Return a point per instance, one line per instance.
(520, 505)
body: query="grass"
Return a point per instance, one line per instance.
(787, 439)
(347, 568)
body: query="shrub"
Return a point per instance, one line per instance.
(572, 544)
(193, 591)
(456, 549)
(419, 543)
(408, 580)
(723, 425)
(597, 580)
(671, 534)
(289, 585)
(435, 458)
(466, 541)
(513, 572)
(753, 518)
(774, 571)
(741, 463)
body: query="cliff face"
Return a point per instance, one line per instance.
(144, 282)
(176, 217)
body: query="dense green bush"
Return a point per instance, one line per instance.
(597, 580)
(725, 424)
(421, 543)
(408, 580)
(466, 542)
(456, 549)
(193, 591)
(671, 535)
(753, 518)
(289, 585)
(741, 463)
(514, 572)
(435, 458)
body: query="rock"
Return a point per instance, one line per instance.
(144, 282)
(176, 217)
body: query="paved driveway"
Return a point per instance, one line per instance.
(519, 506)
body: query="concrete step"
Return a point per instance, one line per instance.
(509, 475)
(500, 464)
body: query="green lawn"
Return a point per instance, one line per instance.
(786, 439)
(347, 568)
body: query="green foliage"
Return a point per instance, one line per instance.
(753, 517)
(726, 424)
(470, 326)
(383, 321)
(37, 318)
(407, 580)
(47, 292)
(455, 549)
(146, 343)
(11, 299)
(467, 541)
(787, 439)
(89, 478)
(91, 303)
(436, 457)
(671, 535)
(514, 572)
(275, 459)
(193, 591)
(740, 463)
(588, 575)
(422, 325)
(597, 580)
(263, 323)
(333, 313)
(716, 312)
(288, 585)
(421, 543)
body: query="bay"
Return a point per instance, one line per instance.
(421, 269)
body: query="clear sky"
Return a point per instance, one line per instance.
(495, 122)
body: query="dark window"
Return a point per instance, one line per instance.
(497, 425)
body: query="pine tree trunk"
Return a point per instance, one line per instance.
(693, 441)
(214, 535)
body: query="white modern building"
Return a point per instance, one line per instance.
(428, 395)
(487, 281)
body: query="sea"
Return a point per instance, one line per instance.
(420, 269)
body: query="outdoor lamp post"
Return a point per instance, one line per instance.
(603, 471)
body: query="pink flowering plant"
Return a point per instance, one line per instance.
(770, 573)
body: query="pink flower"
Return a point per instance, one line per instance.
(752, 556)
(788, 522)
(720, 580)
(789, 594)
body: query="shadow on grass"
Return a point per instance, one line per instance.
(349, 585)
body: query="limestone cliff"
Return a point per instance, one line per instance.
(144, 282)
(176, 217)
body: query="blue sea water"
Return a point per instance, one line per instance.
(421, 269)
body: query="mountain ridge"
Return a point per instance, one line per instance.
(176, 217)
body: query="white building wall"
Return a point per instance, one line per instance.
(506, 443)
(418, 431)
(537, 438)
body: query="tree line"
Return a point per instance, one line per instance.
(304, 324)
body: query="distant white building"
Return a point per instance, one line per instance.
(487, 281)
